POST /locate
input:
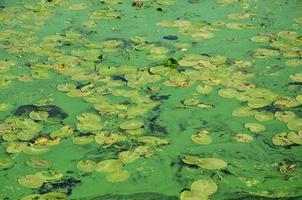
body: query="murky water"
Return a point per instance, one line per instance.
(153, 100)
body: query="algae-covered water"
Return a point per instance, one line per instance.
(150, 99)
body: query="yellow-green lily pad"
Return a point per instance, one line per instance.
(110, 165)
(117, 176)
(202, 138)
(89, 122)
(295, 137)
(39, 115)
(32, 180)
(86, 165)
(132, 124)
(255, 127)
(295, 124)
(5, 163)
(243, 138)
(38, 163)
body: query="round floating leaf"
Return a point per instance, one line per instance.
(261, 38)
(281, 139)
(206, 89)
(78, 6)
(297, 77)
(5, 107)
(63, 132)
(89, 122)
(5, 163)
(202, 138)
(264, 116)
(204, 187)
(298, 20)
(118, 176)
(32, 180)
(255, 127)
(228, 93)
(106, 139)
(35, 150)
(110, 165)
(264, 53)
(188, 195)
(285, 116)
(132, 124)
(39, 115)
(211, 163)
(295, 124)
(299, 98)
(295, 137)
(152, 140)
(243, 112)
(82, 140)
(128, 156)
(243, 138)
(16, 147)
(293, 62)
(86, 165)
(33, 197)
(39, 163)
(54, 196)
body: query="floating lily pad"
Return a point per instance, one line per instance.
(128, 156)
(295, 137)
(243, 138)
(89, 122)
(79, 6)
(132, 124)
(264, 116)
(206, 163)
(110, 165)
(39, 115)
(243, 112)
(204, 89)
(152, 140)
(202, 138)
(82, 140)
(228, 93)
(281, 139)
(118, 176)
(39, 163)
(106, 138)
(64, 131)
(295, 124)
(5, 163)
(255, 127)
(285, 116)
(5, 107)
(204, 187)
(86, 165)
(32, 180)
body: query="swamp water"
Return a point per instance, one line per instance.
(150, 100)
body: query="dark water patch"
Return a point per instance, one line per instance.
(137, 196)
(53, 110)
(193, 1)
(158, 97)
(67, 183)
(153, 125)
(119, 78)
(170, 37)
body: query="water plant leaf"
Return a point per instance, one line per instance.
(86, 165)
(5, 163)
